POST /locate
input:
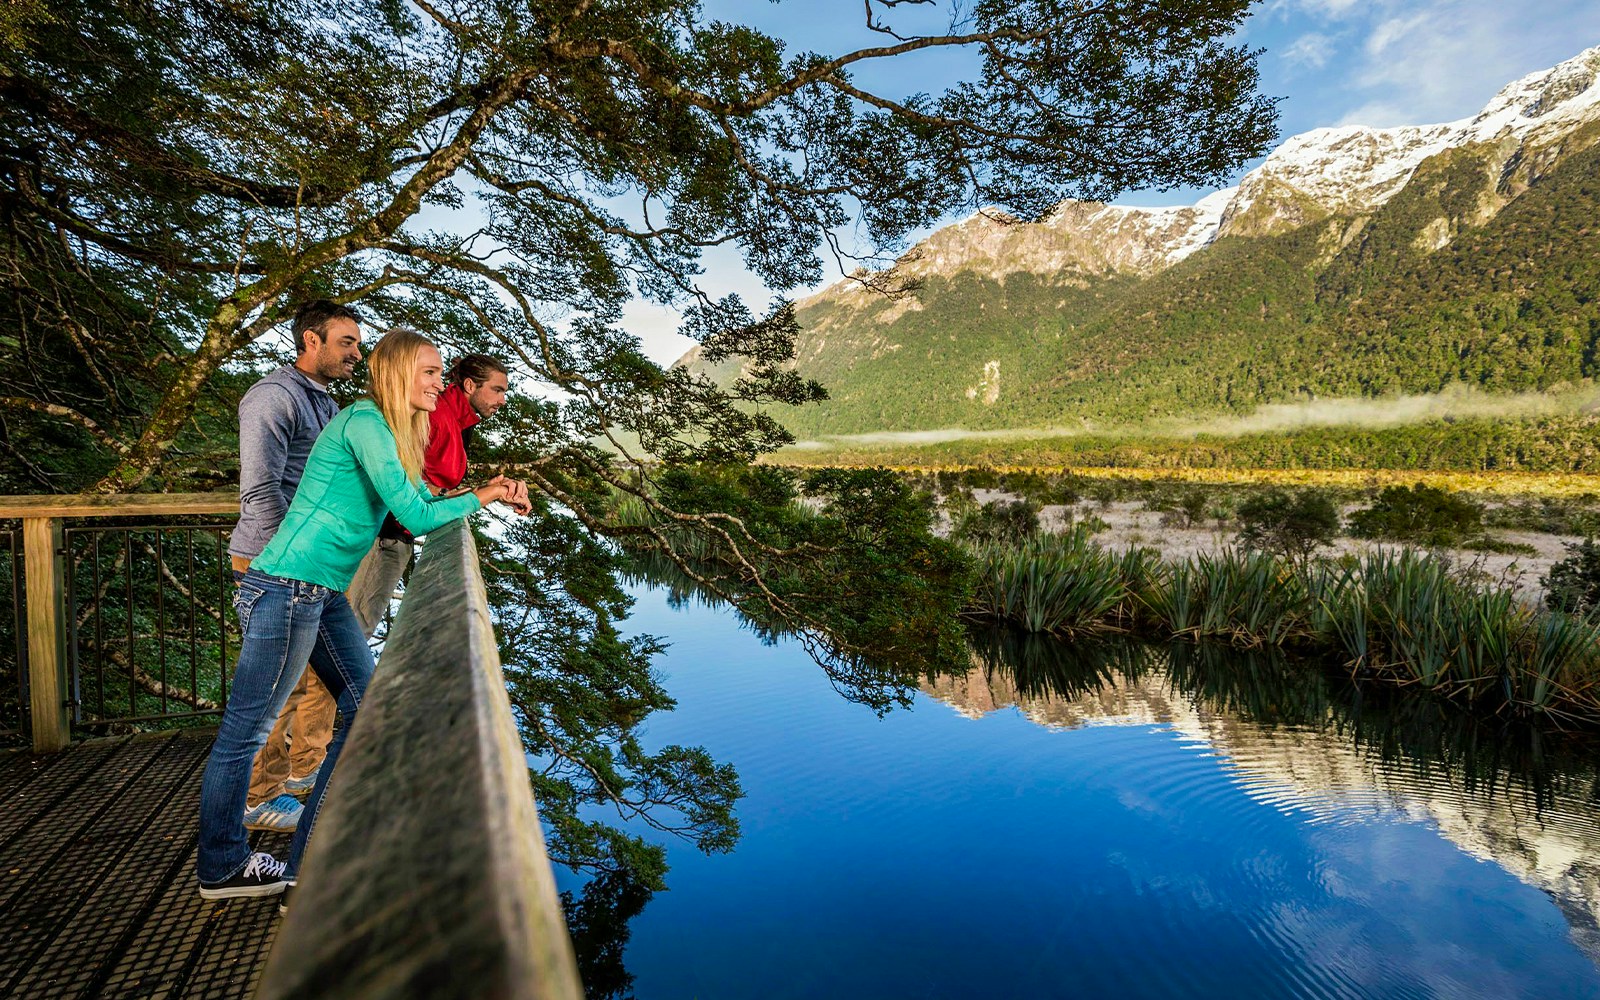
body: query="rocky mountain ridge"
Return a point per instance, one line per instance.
(1323, 773)
(1352, 264)
(1339, 170)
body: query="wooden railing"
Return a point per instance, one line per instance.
(427, 874)
(44, 574)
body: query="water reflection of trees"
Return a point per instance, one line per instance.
(597, 920)
(1523, 798)
(1264, 688)
(880, 678)
(1505, 791)
(581, 690)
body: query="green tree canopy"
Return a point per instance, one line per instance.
(177, 175)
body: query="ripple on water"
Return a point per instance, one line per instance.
(1124, 839)
(1322, 777)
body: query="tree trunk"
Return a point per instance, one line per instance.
(176, 406)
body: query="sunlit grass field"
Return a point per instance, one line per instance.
(1534, 484)
(1558, 457)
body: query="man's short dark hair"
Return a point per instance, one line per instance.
(315, 316)
(477, 367)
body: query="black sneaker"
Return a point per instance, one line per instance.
(262, 876)
(283, 899)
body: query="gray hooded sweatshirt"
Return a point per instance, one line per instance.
(279, 419)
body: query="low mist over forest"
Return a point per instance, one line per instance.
(1410, 296)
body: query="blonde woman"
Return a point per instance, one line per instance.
(291, 603)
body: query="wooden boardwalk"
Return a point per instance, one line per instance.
(97, 888)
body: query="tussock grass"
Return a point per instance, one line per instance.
(1394, 615)
(1498, 483)
(1061, 584)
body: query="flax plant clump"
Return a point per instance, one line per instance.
(1393, 615)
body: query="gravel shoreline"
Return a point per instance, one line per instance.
(1129, 524)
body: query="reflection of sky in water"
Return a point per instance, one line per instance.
(930, 855)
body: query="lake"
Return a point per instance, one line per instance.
(1111, 820)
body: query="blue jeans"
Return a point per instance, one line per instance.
(285, 623)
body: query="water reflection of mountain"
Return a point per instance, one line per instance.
(1293, 741)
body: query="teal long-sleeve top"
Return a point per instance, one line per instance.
(352, 476)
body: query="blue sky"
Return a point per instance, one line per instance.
(1333, 62)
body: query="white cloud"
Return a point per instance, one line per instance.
(1442, 60)
(1311, 50)
(1381, 114)
(1325, 10)
(1331, 9)
(1398, 29)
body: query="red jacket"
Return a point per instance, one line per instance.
(444, 464)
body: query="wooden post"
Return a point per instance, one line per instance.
(45, 576)
(44, 570)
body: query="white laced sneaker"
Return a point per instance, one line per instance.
(262, 875)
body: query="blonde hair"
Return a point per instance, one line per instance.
(391, 365)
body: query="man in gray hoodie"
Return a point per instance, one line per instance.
(279, 419)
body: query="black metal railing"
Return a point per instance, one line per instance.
(151, 636)
(131, 628)
(13, 647)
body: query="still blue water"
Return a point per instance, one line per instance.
(1126, 842)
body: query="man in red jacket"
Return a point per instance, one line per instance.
(478, 385)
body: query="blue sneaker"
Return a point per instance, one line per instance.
(301, 787)
(279, 815)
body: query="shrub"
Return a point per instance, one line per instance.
(1499, 546)
(1103, 492)
(1293, 525)
(1192, 505)
(982, 479)
(1089, 524)
(1573, 584)
(950, 482)
(1065, 490)
(1550, 515)
(1222, 510)
(1421, 514)
(1182, 509)
(999, 522)
(1052, 583)
(1248, 597)
(1044, 490)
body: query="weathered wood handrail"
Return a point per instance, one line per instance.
(119, 505)
(427, 874)
(44, 582)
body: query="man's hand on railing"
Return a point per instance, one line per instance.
(519, 498)
(507, 491)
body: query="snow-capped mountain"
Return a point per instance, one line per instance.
(1354, 168)
(1350, 169)
(1352, 263)
(1549, 842)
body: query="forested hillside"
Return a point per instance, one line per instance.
(1481, 272)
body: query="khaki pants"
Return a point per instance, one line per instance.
(299, 739)
(375, 580)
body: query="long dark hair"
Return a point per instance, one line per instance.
(477, 367)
